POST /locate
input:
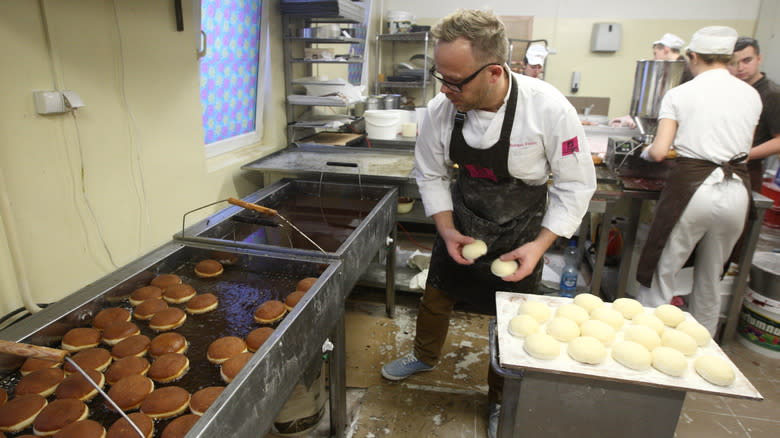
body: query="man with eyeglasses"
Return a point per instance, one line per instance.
(746, 65)
(507, 133)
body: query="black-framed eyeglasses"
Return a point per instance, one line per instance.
(458, 86)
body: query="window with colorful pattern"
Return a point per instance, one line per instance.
(230, 73)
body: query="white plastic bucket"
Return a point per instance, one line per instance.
(382, 125)
(399, 21)
(759, 324)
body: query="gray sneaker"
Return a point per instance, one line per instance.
(494, 412)
(404, 367)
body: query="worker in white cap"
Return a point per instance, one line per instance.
(706, 198)
(533, 63)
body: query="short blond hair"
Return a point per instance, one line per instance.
(483, 29)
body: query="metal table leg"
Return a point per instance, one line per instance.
(627, 264)
(601, 249)
(338, 379)
(390, 274)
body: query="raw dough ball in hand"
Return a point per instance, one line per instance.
(502, 269)
(474, 250)
(611, 317)
(563, 329)
(523, 325)
(632, 355)
(542, 346)
(537, 309)
(669, 314)
(588, 301)
(669, 361)
(643, 335)
(629, 307)
(680, 341)
(588, 350)
(573, 312)
(649, 320)
(599, 330)
(695, 330)
(715, 370)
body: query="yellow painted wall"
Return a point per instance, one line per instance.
(116, 177)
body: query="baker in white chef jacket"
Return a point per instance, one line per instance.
(704, 204)
(533, 62)
(508, 133)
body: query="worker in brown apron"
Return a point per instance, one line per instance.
(507, 133)
(706, 198)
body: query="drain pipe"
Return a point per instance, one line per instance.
(13, 245)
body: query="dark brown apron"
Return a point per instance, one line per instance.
(490, 205)
(683, 181)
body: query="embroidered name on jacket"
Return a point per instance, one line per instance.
(570, 146)
(481, 172)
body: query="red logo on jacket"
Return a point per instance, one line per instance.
(570, 146)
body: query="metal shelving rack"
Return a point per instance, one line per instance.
(296, 65)
(427, 82)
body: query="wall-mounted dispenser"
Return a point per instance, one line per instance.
(605, 37)
(575, 81)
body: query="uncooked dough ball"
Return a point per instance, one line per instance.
(502, 269)
(599, 330)
(697, 331)
(715, 370)
(587, 349)
(474, 250)
(643, 335)
(649, 320)
(669, 361)
(680, 341)
(632, 355)
(573, 312)
(523, 325)
(563, 329)
(629, 307)
(670, 315)
(610, 316)
(588, 301)
(540, 311)
(542, 346)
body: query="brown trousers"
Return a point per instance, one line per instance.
(433, 322)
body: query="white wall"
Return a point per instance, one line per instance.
(768, 35)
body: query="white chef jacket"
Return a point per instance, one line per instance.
(547, 137)
(716, 115)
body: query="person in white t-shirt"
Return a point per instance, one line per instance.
(507, 133)
(704, 204)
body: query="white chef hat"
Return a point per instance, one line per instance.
(671, 41)
(716, 40)
(536, 54)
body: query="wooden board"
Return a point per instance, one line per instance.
(332, 139)
(512, 355)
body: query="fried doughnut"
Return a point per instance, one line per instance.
(32, 364)
(163, 281)
(169, 367)
(142, 294)
(129, 392)
(270, 312)
(171, 342)
(202, 303)
(166, 402)
(93, 359)
(167, 319)
(257, 337)
(119, 331)
(201, 400)
(122, 428)
(20, 412)
(58, 414)
(106, 317)
(76, 386)
(179, 293)
(81, 338)
(292, 299)
(41, 382)
(208, 268)
(231, 367)
(136, 345)
(149, 308)
(224, 348)
(126, 366)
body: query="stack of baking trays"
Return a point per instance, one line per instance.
(353, 224)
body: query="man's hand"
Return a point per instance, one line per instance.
(455, 242)
(527, 256)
